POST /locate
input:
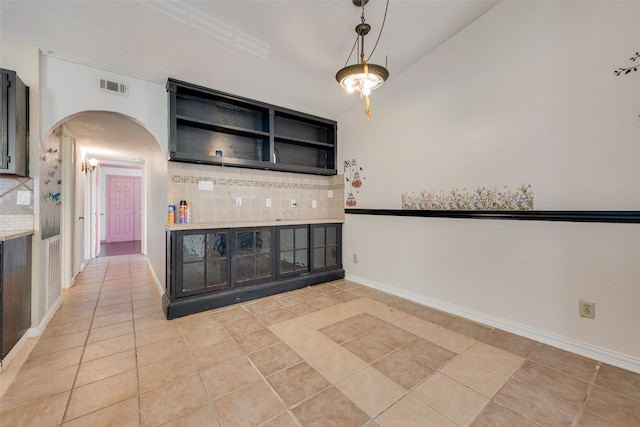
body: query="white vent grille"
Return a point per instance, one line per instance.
(52, 270)
(113, 86)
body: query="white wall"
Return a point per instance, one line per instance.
(156, 217)
(525, 94)
(70, 88)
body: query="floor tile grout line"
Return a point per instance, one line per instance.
(75, 378)
(583, 404)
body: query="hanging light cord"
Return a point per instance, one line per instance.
(381, 28)
(355, 43)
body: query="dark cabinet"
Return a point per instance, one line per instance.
(326, 244)
(202, 262)
(252, 259)
(212, 127)
(293, 245)
(14, 125)
(217, 267)
(15, 291)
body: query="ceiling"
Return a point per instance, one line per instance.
(280, 52)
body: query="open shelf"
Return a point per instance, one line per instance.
(208, 126)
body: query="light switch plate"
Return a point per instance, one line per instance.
(268, 203)
(24, 198)
(238, 201)
(330, 194)
(314, 204)
(205, 185)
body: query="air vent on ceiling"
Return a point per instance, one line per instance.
(113, 86)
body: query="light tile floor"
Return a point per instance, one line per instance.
(336, 354)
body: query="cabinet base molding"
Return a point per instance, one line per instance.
(200, 303)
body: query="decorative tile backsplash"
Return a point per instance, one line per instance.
(10, 223)
(9, 187)
(254, 189)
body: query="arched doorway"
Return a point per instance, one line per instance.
(122, 147)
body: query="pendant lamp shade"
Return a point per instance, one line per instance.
(362, 77)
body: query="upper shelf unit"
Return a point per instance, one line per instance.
(208, 126)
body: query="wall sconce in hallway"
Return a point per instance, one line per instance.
(88, 166)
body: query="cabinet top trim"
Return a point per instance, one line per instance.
(241, 224)
(174, 85)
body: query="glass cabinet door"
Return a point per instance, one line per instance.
(294, 249)
(326, 246)
(204, 266)
(252, 260)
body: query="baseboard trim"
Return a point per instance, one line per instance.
(6, 362)
(38, 330)
(155, 278)
(565, 343)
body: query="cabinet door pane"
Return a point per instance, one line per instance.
(263, 242)
(263, 265)
(216, 272)
(332, 256)
(286, 239)
(319, 236)
(301, 238)
(193, 247)
(192, 276)
(302, 261)
(216, 245)
(245, 269)
(332, 235)
(244, 242)
(286, 261)
(318, 258)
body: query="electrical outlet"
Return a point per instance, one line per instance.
(238, 201)
(329, 194)
(355, 258)
(268, 203)
(293, 203)
(587, 309)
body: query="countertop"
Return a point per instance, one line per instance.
(13, 234)
(240, 224)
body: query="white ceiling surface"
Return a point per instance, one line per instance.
(280, 52)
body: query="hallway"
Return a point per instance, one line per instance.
(336, 354)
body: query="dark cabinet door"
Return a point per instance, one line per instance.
(293, 250)
(252, 256)
(326, 243)
(14, 125)
(202, 262)
(15, 291)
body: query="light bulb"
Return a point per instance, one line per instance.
(366, 90)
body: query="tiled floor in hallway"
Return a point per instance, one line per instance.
(337, 354)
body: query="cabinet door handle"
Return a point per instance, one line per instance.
(81, 218)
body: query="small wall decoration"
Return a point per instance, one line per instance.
(354, 177)
(51, 185)
(625, 71)
(481, 198)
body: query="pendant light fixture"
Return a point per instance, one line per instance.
(363, 77)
